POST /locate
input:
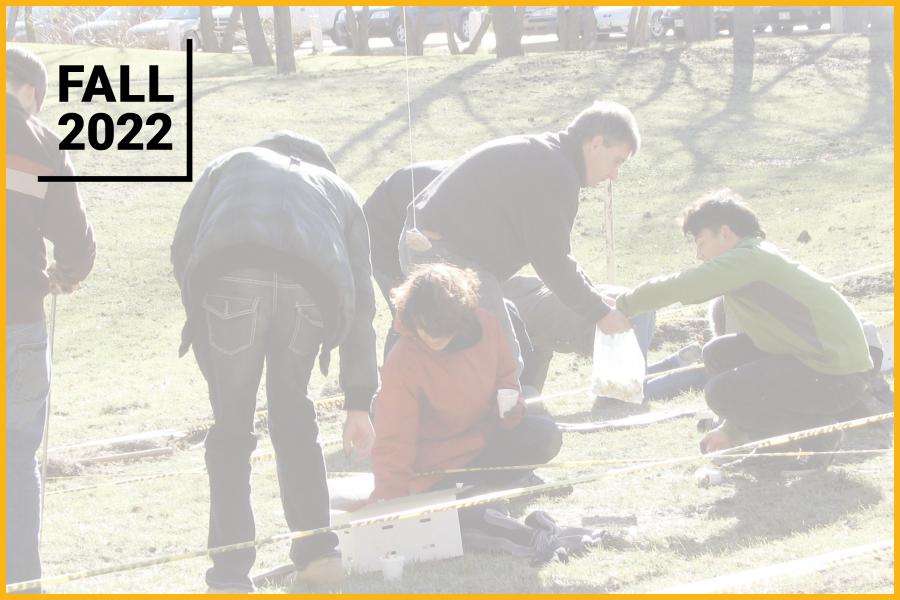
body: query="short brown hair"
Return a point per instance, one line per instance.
(439, 298)
(721, 207)
(611, 120)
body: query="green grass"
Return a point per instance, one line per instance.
(811, 146)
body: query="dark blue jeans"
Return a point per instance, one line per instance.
(255, 318)
(27, 390)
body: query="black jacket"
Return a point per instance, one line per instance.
(256, 207)
(512, 202)
(386, 211)
(40, 210)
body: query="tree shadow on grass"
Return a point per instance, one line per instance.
(879, 114)
(768, 510)
(393, 127)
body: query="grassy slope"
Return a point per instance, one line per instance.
(810, 146)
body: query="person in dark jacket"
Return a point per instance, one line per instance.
(513, 201)
(35, 211)
(272, 257)
(385, 212)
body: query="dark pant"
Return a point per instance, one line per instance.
(535, 441)
(255, 317)
(767, 394)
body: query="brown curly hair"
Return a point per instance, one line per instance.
(439, 298)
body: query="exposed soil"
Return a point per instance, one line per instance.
(869, 285)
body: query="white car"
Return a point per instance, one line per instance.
(614, 19)
(186, 19)
(301, 20)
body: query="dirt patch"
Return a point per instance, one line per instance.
(681, 333)
(866, 286)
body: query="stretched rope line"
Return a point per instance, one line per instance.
(557, 465)
(801, 566)
(437, 507)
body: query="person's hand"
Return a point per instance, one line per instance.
(58, 283)
(714, 441)
(359, 435)
(516, 412)
(614, 322)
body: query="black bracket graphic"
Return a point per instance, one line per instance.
(188, 177)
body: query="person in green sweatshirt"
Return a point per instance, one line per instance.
(801, 357)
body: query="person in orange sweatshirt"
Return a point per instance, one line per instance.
(437, 407)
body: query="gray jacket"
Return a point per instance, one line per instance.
(256, 207)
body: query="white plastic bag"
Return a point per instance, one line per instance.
(619, 367)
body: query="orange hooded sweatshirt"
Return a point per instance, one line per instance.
(435, 410)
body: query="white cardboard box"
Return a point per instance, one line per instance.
(419, 539)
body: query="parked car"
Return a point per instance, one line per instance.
(671, 18)
(783, 19)
(110, 26)
(612, 19)
(387, 21)
(155, 33)
(53, 24)
(540, 20)
(328, 16)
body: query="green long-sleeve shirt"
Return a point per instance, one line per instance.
(784, 307)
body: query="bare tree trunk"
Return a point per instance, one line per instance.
(256, 39)
(230, 30)
(284, 41)
(638, 27)
(12, 13)
(632, 27)
(588, 27)
(698, 23)
(361, 43)
(358, 30)
(744, 48)
(29, 25)
(508, 29)
(577, 27)
(564, 26)
(415, 30)
(448, 27)
(208, 40)
(472, 48)
(352, 29)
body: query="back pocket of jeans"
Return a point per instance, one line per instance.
(231, 322)
(28, 384)
(308, 330)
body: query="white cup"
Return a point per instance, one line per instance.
(506, 401)
(392, 567)
(708, 477)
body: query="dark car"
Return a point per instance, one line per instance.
(387, 21)
(671, 18)
(783, 19)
